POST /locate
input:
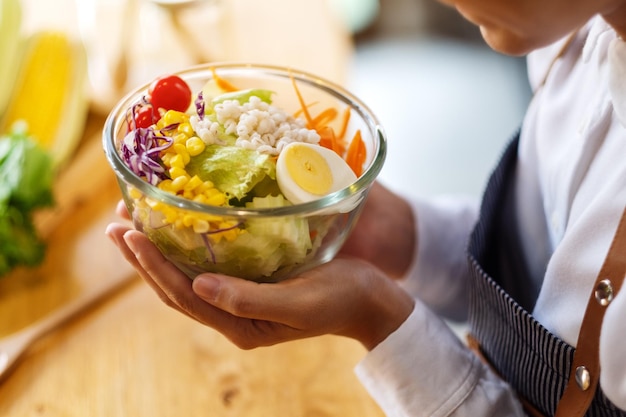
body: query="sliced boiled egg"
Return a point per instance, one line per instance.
(306, 172)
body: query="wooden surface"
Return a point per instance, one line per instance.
(130, 355)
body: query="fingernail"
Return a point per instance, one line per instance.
(115, 238)
(129, 240)
(206, 286)
(110, 235)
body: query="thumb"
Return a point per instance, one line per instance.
(249, 299)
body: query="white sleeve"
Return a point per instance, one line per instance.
(423, 369)
(439, 273)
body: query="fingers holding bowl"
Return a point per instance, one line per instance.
(138, 254)
(346, 296)
(339, 297)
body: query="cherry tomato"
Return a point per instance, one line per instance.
(170, 93)
(146, 116)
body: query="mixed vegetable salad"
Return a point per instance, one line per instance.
(231, 147)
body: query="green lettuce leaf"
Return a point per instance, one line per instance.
(243, 96)
(232, 169)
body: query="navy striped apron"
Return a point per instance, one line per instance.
(535, 362)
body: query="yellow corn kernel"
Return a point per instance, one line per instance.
(213, 192)
(215, 237)
(154, 204)
(206, 185)
(193, 183)
(215, 199)
(227, 224)
(230, 235)
(199, 198)
(177, 161)
(187, 220)
(166, 157)
(170, 215)
(212, 218)
(178, 223)
(195, 146)
(134, 193)
(179, 183)
(177, 172)
(200, 226)
(180, 138)
(181, 150)
(172, 116)
(189, 195)
(165, 185)
(186, 129)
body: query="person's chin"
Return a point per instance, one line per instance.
(507, 43)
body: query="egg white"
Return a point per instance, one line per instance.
(294, 189)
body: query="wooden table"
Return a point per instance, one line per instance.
(130, 355)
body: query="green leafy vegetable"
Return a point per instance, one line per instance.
(232, 169)
(26, 179)
(243, 96)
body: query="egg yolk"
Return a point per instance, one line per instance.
(308, 169)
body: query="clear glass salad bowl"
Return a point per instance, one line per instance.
(264, 244)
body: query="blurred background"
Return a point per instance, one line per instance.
(447, 101)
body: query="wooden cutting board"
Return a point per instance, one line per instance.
(130, 355)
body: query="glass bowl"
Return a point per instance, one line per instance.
(264, 244)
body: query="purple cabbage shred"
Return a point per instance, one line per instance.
(199, 102)
(141, 150)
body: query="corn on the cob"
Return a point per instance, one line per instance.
(50, 94)
(10, 26)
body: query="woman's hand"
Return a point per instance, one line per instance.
(347, 297)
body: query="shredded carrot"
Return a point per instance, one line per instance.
(299, 112)
(344, 123)
(329, 140)
(355, 153)
(305, 111)
(222, 83)
(325, 117)
(355, 157)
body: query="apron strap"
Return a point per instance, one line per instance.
(585, 371)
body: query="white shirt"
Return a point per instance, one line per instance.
(570, 192)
